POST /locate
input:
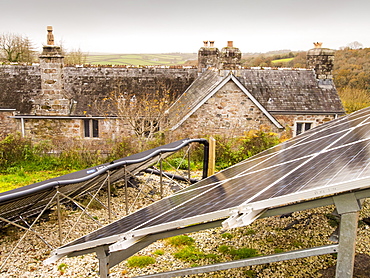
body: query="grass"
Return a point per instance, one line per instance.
(22, 178)
(282, 60)
(141, 59)
(181, 240)
(140, 261)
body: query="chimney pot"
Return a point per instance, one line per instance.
(230, 44)
(211, 43)
(317, 44)
(205, 43)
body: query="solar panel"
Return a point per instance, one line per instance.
(31, 199)
(329, 159)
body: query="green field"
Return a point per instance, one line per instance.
(282, 60)
(167, 59)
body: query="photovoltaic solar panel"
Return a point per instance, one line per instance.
(329, 159)
(31, 199)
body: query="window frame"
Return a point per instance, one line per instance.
(303, 123)
(90, 128)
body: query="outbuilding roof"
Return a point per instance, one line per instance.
(287, 91)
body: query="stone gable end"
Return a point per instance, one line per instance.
(228, 111)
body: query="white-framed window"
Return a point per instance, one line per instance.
(91, 128)
(301, 127)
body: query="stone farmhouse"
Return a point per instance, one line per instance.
(53, 101)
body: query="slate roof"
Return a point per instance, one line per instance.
(285, 91)
(291, 90)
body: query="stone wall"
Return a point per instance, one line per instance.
(289, 121)
(228, 112)
(7, 124)
(46, 128)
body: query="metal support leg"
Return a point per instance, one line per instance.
(59, 217)
(103, 256)
(109, 198)
(348, 207)
(161, 176)
(189, 176)
(126, 193)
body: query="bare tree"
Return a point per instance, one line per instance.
(73, 57)
(143, 112)
(355, 45)
(16, 48)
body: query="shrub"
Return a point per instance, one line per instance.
(224, 249)
(227, 235)
(189, 253)
(237, 254)
(230, 151)
(140, 261)
(14, 149)
(158, 252)
(243, 253)
(182, 240)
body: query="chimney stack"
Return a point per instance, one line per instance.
(230, 57)
(321, 60)
(207, 56)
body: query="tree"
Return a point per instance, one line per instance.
(16, 48)
(355, 45)
(354, 99)
(143, 112)
(73, 57)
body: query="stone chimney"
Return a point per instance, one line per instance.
(52, 100)
(230, 57)
(321, 60)
(207, 56)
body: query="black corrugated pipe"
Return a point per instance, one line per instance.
(169, 175)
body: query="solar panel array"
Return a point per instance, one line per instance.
(31, 199)
(324, 160)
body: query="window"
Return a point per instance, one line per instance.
(301, 127)
(91, 128)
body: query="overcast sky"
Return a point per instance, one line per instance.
(161, 26)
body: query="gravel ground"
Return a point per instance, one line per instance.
(270, 235)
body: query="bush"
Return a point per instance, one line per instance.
(227, 236)
(140, 261)
(189, 253)
(158, 252)
(14, 149)
(230, 151)
(182, 240)
(237, 254)
(243, 253)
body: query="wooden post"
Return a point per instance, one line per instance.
(212, 156)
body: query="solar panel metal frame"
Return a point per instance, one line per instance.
(243, 212)
(31, 200)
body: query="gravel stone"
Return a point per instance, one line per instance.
(269, 235)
